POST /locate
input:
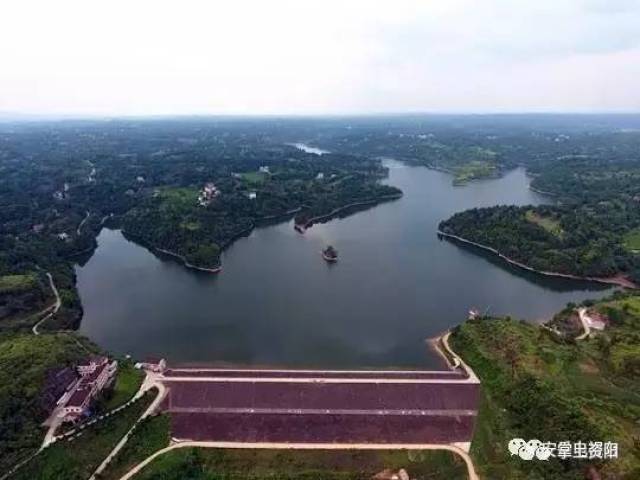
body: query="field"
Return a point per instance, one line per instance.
(631, 240)
(180, 194)
(17, 283)
(254, 178)
(549, 224)
(213, 464)
(190, 225)
(474, 170)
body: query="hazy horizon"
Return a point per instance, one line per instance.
(16, 116)
(289, 58)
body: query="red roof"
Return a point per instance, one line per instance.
(79, 397)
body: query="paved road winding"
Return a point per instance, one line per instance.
(307, 446)
(55, 307)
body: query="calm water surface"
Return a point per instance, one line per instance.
(278, 303)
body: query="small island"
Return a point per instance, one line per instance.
(330, 254)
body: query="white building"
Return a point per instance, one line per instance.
(96, 374)
(208, 193)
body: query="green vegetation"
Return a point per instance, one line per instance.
(474, 170)
(594, 231)
(631, 240)
(621, 343)
(590, 243)
(177, 198)
(25, 361)
(17, 283)
(466, 156)
(22, 297)
(145, 177)
(537, 384)
(214, 464)
(173, 219)
(255, 178)
(78, 458)
(151, 435)
(550, 224)
(128, 381)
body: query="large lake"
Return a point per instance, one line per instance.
(278, 303)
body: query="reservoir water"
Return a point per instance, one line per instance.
(278, 303)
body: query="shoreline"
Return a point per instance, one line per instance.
(217, 269)
(246, 231)
(616, 280)
(500, 172)
(302, 227)
(153, 249)
(543, 192)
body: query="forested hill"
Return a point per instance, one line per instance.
(586, 241)
(185, 186)
(593, 228)
(541, 383)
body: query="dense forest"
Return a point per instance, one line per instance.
(189, 187)
(591, 226)
(586, 241)
(592, 231)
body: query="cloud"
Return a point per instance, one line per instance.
(510, 31)
(330, 56)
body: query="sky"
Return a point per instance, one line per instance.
(306, 57)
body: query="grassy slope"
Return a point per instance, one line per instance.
(201, 464)
(621, 344)
(474, 170)
(536, 386)
(151, 435)
(17, 283)
(78, 458)
(128, 382)
(631, 240)
(24, 362)
(254, 178)
(213, 464)
(551, 225)
(22, 297)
